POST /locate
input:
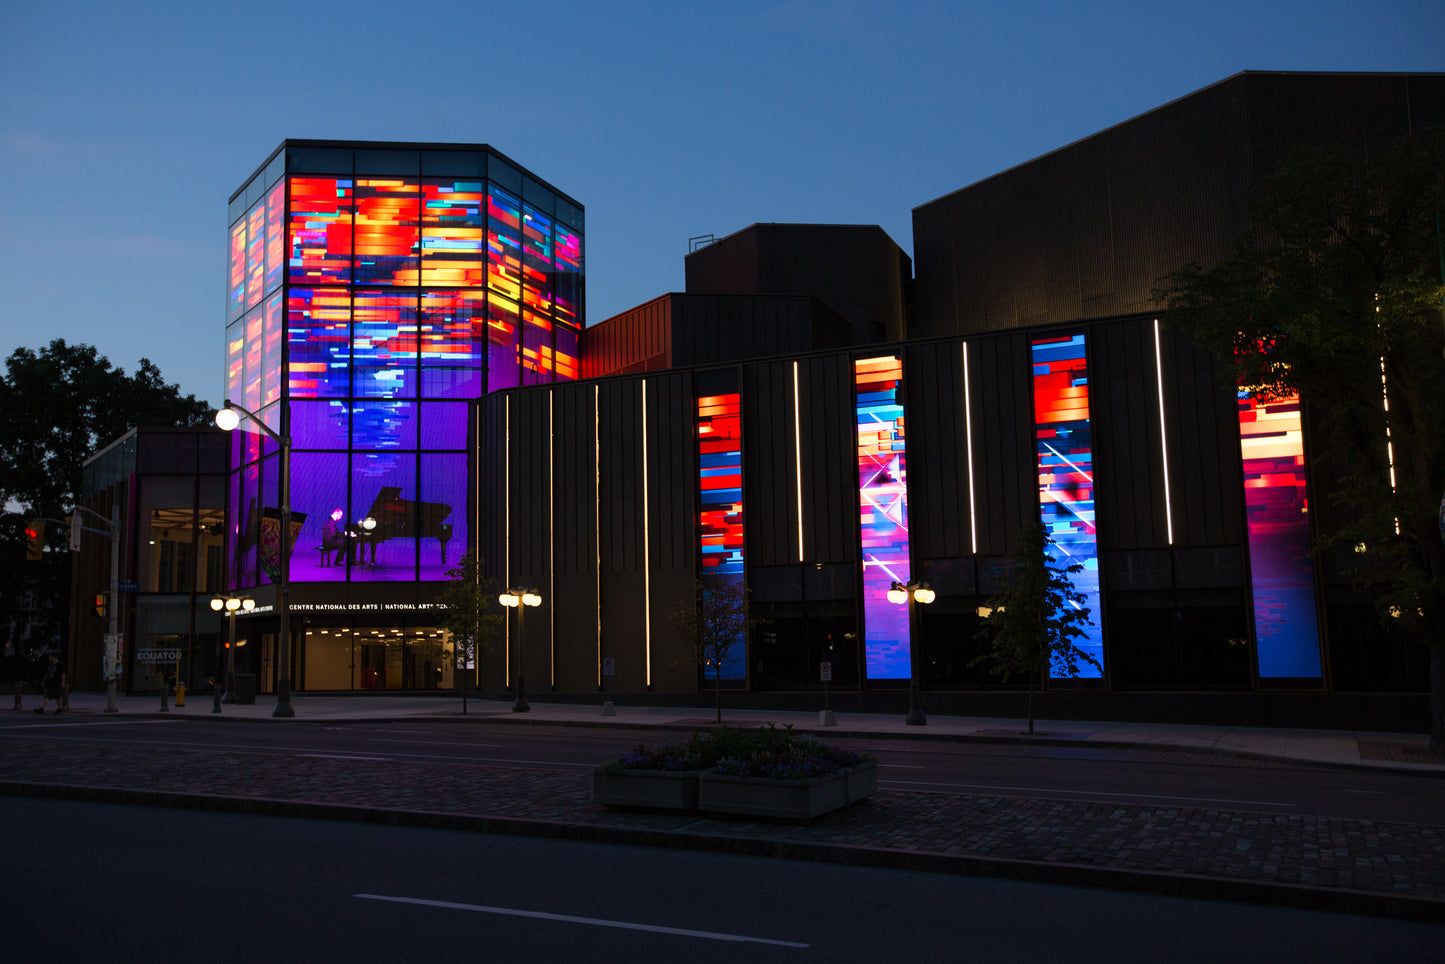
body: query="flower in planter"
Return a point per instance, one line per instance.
(802, 759)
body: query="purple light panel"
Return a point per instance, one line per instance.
(1271, 444)
(883, 507)
(1066, 471)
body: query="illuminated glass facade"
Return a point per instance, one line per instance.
(373, 291)
(883, 513)
(720, 500)
(1271, 444)
(1066, 471)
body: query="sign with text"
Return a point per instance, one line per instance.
(609, 667)
(157, 655)
(825, 672)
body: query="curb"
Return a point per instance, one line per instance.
(1362, 903)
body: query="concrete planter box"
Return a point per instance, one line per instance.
(785, 799)
(673, 790)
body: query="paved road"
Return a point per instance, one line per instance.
(1233, 852)
(1127, 775)
(163, 884)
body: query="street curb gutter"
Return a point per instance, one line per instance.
(1399, 907)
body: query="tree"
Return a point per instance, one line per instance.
(61, 404)
(1335, 294)
(717, 622)
(1035, 618)
(471, 613)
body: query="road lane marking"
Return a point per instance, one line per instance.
(345, 756)
(440, 743)
(50, 726)
(1090, 793)
(591, 921)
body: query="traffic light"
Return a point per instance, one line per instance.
(34, 540)
(100, 600)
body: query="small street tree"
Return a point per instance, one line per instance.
(1335, 294)
(1036, 618)
(717, 623)
(471, 614)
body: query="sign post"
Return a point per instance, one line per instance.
(609, 670)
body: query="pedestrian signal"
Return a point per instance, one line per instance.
(100, 601)
(34, 540)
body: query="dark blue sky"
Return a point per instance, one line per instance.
(124, 128)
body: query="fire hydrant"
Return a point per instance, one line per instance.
(180, 694)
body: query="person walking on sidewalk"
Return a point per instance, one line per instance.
(52, 685)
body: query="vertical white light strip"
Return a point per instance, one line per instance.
(597, 512)
(507, 536)
(552, 532)
(968, 437)
(1385, 398)
(646, 554)
(1163, 436)
(1389, 442)
(798, 458)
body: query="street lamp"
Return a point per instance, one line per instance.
(920, 593)
(230, 604)
(228, 418)
(519, 599)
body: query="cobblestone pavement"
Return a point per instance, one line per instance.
(1352, 865)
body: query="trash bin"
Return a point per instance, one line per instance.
(245, 688)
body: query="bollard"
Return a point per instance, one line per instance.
(180, 694)
(19, 691)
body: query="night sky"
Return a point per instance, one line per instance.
(125, 128)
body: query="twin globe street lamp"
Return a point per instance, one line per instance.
(519, 599)
(230, 604)
(228, 418)
(913, 593)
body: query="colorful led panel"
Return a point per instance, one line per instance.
(565, 354)
(720, 483)
(255, 255)
(1271, 444)
(320, 237)
(504, 343)
(504, 245)
(236, 284)
(536, 348)
(453, 332)
(235, 360)
(326, 547)
(383, 425)
(536, 259)
(318, 424)
(272, 331)
(441, 513)
(1066, 471)
(388, 231)
(383, 344)
(383, 488)
(567, 295)
(453, 233)
(275, 236)
(255, 341)
(720, 498)
(318, 336)
(883, 513)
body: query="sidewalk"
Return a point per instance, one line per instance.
(1398, 751)
(1356, 866)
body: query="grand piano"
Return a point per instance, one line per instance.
(398, 518)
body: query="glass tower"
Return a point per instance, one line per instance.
(374, 290)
